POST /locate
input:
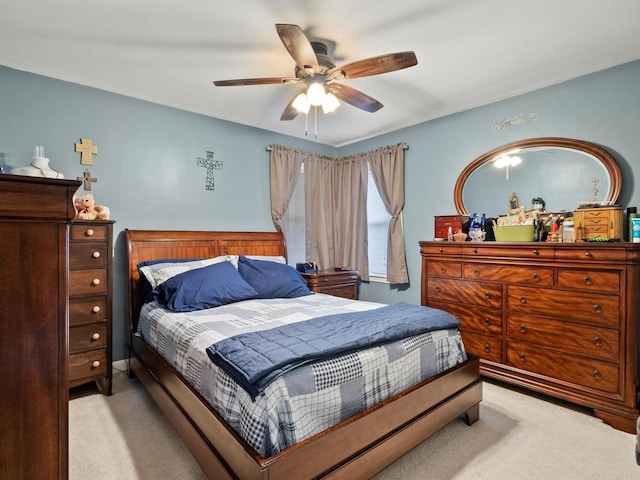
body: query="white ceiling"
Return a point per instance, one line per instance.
(470, 52)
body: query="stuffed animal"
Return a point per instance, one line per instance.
(86, 208)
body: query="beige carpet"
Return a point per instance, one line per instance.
(519, 436)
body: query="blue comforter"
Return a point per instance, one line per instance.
(255, 359)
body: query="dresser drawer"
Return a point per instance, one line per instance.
(88, 364)
(87, 255)
(592, 253)
(593, 342)
(440, 248)
(484, 346)
(87, 337)
(588, 280)
(542, 277)
(483, 320)
(592, 308)
(582, 371)
(344, 291)
(87, 310)
(87, 282)
(485, 294)
(445, 269)
(89, 232)
(527, 251)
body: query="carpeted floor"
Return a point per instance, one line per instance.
(519, 436)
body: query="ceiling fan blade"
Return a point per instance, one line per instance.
(376, 65)
(255, 81)
(290, 112)
(355, 97)
(299, 47)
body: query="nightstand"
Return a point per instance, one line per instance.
(90, 292)
(339, 283)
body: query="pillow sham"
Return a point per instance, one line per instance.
(145, 273)
(157, 272)
(199, 288)
(271, 279)
(270, 258)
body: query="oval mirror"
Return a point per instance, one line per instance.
(563, 172)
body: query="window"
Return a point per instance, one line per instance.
(378, 231)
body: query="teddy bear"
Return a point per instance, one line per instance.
(86, 208)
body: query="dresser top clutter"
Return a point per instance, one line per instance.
(559, 315)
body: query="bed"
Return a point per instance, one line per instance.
(356, 447)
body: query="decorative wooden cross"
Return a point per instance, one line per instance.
(86, 149)
(210, 164)
(87, 179)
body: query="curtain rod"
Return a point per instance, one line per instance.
(404, 146)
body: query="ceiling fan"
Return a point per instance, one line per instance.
(319, 75)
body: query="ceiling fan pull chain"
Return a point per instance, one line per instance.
(306, 124)
(315, 121)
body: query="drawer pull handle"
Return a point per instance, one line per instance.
(96, 254)
(437, 289)
(95, 364)
(90, 232)
(523, 358)
(95, 336)
(588, 253)
(95, 309)
(487, 295)
(487, 348)
(487, 321)
(475, 250)
(597, 341)
(535, 252)
(441, 250)
(536, 277)
(443, 270)
(523, 328)
(597, 308)
(523, 300)
(597, 375)
(587, 281)
(476, 273)
(95, 281)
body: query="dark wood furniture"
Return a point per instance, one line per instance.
(355, 448)
(34, 213)
(441, 224)
(339, 283)
(90, 294)
(561, 319)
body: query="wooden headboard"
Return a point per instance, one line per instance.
(145, 245)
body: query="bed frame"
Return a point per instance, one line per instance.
(358, 447)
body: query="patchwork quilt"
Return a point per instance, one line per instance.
(305, 400)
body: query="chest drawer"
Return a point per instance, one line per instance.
(445, 269)
(569, 337)
(483, 320)
(542, 277)
(87, 310)
(583, 371)
(484, 346)
(87, 364)
(87, 282)
(485, 294)
(87, 255)
(87, 337)
(605, 282)
(89, 232)
(344, 291)
(592, 308)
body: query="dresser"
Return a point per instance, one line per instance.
(561, 319)
(90, 303)
(339, 283)
(33, 326)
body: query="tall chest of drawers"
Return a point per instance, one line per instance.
(90, 303)
(561, 319)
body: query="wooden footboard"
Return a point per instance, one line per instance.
(357, 447)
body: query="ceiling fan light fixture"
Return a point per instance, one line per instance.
(330, 103)
(316, 94)
(301, 104)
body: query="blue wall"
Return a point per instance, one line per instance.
(147, 171)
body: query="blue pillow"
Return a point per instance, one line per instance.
(145, 284)
(200, 288)
(271, 279)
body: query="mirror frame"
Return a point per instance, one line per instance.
(609, 163)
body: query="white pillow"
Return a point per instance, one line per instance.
(160, 272)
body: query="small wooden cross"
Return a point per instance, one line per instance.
(209, 163)
(87, 179)
(86, 149)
